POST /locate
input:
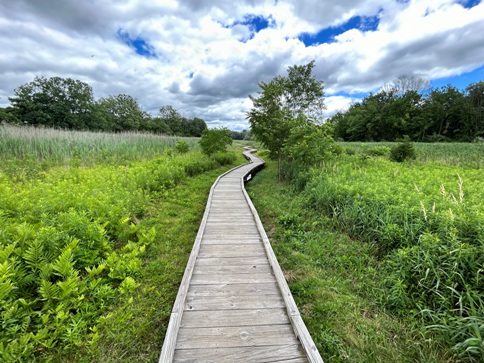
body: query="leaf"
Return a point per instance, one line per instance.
(48, 290)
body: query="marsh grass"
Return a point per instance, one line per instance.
(59, 147)
(336, 282)
(458, 154)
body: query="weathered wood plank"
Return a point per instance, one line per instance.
(219, 318)
(227, 337)
(264, 354)
(269, 288)
(222, 241)
(233, 269)
(234, 302)
(229, 261)
(231, 251)
(214, 278)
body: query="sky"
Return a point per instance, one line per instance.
(205, 57)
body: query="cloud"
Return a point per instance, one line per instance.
(205, 57)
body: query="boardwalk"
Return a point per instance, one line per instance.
(234, 304)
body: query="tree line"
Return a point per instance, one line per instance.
(403, 108)
(69, 104)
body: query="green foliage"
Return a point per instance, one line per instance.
(426, 228)
(403, 151)
(29, 151)
(335, 281)
(73, 243)
(215, 141)
(120, 113)
(69, 104)
(308, 145)
(182, 146)
(54, 102)
(443, 114)
(284, 104)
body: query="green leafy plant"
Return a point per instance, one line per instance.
(403, 151)
(215, 140)
(182, 146)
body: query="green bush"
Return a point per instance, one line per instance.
(403, 151)
(215, 140)
(182, 147)
(378, 151)
(224, 158)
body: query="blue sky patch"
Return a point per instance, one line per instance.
(141, 46)
(460, 81)
(328, 35)
(359, 95)
(255, 22)
(469, 3)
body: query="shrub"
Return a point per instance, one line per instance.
(215, 140)
(224, 158)
(182, 147)
(403, 151)
(378, 151)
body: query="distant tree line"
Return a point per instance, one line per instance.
(401, 108)
(69, 104)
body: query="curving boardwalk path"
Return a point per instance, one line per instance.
(234, 304)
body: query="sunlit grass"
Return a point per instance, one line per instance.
(459, 154)
(82, 147)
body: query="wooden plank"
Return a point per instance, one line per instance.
(226, 337)
(233, 269)
(229, 261)
(227, 252)
(209, 279)
(269, 288)
(234, 302)
(219, 318)
(265, 354)
(222, 241)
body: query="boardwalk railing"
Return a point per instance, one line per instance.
(234, 303)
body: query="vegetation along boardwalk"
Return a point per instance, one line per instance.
(234, 304)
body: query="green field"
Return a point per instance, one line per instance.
(386, 260)
(95, 232)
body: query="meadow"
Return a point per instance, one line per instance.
(95, 232)
(385, 259)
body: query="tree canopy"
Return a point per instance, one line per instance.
(55, 102)
(285, 104)
(69, 104)
(441, 114)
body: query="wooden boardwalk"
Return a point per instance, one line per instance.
(234, 304)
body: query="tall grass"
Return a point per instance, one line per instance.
(458, 154)
(82, 147)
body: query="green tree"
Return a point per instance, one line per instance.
(215, 140)
(7, 115)
(473, 126)
(281, 103)
(122, 113)
(55, 102)
(170, 116)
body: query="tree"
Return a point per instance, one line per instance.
(55, 102)
(474, 122)
(122, 113)
(281, 102)
(172, 119)
(406, 83)
(215, 140)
